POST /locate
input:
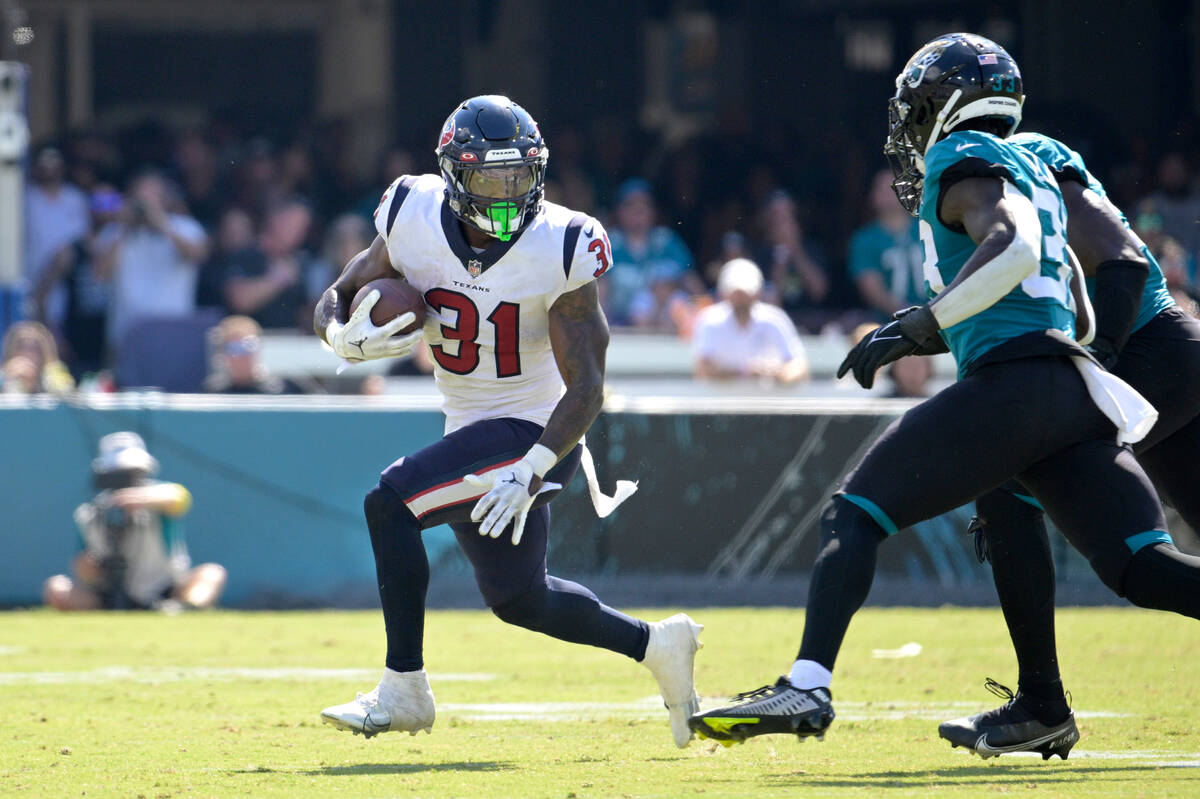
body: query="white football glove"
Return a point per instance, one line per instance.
(507, 500)
(361, 340)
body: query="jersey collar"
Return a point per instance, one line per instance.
(476, 263)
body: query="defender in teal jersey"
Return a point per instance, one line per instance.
(995, 258)
(1152, 345)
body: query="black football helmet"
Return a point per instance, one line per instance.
(952, 79)
(493, 158)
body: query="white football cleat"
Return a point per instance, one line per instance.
(670, 656)
(402, 701)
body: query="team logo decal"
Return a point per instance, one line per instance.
(468, 156)
(447, 132)
(474, 267)
(532, 152)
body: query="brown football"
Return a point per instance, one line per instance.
(396, 297)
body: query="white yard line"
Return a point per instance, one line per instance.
(162, 674)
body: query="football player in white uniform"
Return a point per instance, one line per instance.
(510, 281)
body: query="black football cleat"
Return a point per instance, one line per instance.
(1010, 728)
(779, 709)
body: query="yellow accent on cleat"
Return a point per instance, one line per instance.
(719, 724)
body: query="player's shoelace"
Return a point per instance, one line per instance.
(756, 693)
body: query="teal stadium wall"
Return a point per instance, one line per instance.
(278, 493)
(278, 486)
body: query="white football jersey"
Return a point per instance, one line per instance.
(488, 324)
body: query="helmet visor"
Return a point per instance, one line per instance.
(500, 182)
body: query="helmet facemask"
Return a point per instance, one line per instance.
(495, 197)
(905, 159)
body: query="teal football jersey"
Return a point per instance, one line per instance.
(1041, 301)
(1062, 159)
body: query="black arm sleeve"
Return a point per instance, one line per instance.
(1116, 300)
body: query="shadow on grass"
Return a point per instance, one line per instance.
(976, 775)
(383, 768)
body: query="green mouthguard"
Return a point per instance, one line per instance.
(502, 216)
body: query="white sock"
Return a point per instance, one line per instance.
(393, 681)
(808, 674)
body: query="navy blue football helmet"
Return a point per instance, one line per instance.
(493, 158)
(952, 79)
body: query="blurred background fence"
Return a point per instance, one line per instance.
(727, 511)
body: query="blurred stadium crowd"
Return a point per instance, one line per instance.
(189, 227)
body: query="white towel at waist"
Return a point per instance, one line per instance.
(1117, 400)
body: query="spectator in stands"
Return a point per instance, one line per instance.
(30, 362)
(236, 364)
(255, 181)
(346, 237)
(235, 234)
(204, 189)
(56, 214)
(152, 256)
(134, 554)
(1177, 203)
(663, 306)
(797, 279)
(1179, 267)
(395, 162)
(273, 280)
(885, 255)
(741, 336)
(910, 376)
(88, 293)
(569, 183)
(641, 249)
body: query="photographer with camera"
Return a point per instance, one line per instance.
(134, 553)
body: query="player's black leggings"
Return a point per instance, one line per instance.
(1162, 361)
(1030, 417)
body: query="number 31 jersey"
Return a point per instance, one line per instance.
(488, 325)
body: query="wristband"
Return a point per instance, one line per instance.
(541, 458)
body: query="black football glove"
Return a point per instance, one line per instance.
(914, 331)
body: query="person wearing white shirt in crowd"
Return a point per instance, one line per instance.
(56, 214)
(741, 336)
(152, 255)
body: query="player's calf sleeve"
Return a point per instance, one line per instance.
(1163, 578)
(841, 579)
(402, 571)
(570, 612)
(1023, 570)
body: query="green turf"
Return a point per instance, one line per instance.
(200, 733)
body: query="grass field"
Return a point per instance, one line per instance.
(225, 705)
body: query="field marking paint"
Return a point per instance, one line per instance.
(11, 650)
(164, 674)
(651, 707)
(1154, 756)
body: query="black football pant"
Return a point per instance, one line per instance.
(1162, 361)
(1030, 417)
